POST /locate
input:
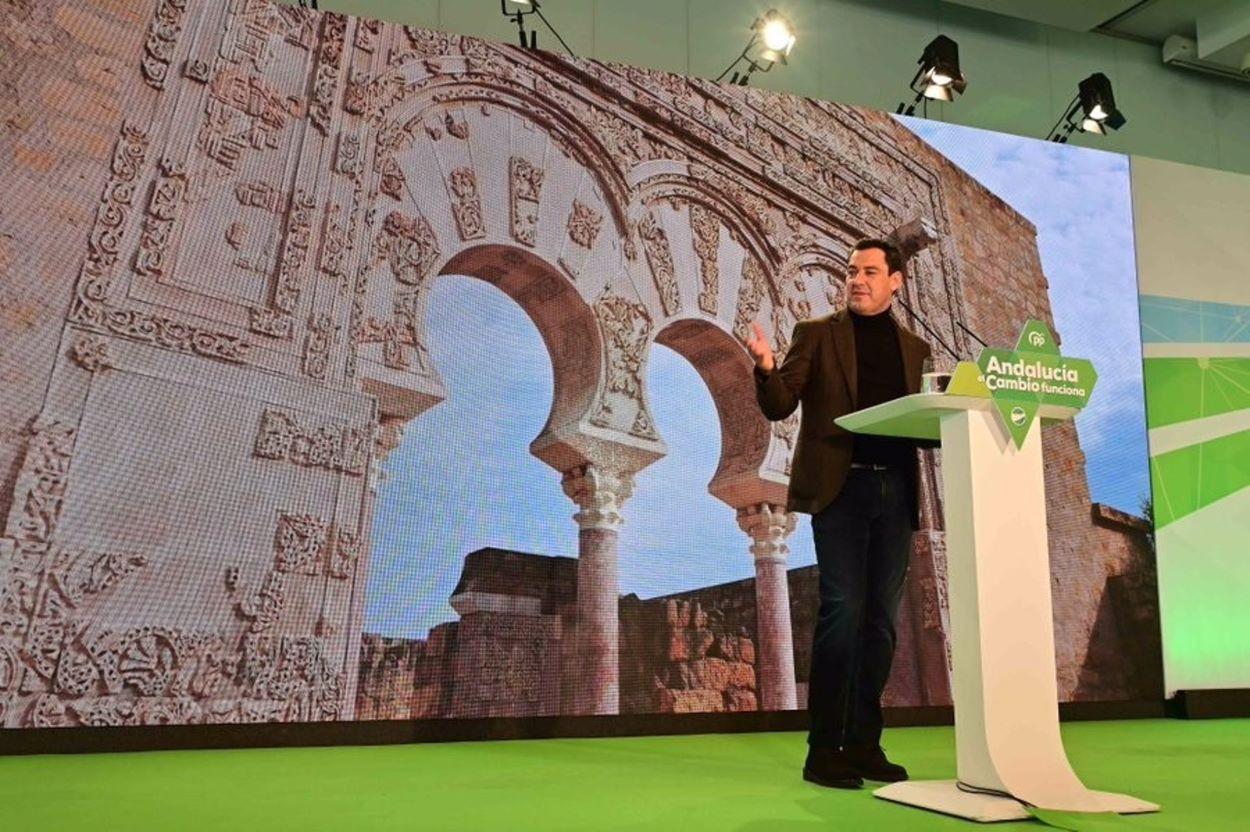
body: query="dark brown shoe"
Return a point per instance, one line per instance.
(830, 767)
(871, 764)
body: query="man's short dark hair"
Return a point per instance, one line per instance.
(893, 257)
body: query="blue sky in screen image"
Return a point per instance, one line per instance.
(1080, 200)
(463, 477)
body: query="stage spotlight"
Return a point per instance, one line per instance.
(1094, 106)
(517, 10)
(939, 77)
(1098, 104)
(772, 39)
(776, 35)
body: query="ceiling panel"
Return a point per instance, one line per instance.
(1156, 20)
(1151, 21)
(1080, 15)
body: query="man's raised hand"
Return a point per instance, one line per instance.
(759, 348)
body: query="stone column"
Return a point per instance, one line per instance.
(599, 493)
(769, 526)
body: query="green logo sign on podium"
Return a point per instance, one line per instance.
(1021, 380)
(1034, 374)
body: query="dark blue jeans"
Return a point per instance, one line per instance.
(863, 547)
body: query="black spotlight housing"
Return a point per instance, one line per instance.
(939, 71)
(1093, 110)
(939, 77)
(1098, 104)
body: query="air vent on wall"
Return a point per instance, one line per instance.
(1181, 51)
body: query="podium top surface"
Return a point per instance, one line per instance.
(919, 416)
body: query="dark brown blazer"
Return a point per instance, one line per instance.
(819, 372)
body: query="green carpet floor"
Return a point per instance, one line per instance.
(1198, 771)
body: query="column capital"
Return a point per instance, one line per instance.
(600, 492)
(768, 525)
(388, 434)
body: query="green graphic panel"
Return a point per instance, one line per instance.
(1204, 569)
(1182, 389)
(1190, 478)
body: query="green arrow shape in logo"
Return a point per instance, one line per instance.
(1017, 415)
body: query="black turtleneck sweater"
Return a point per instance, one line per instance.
(879, 366)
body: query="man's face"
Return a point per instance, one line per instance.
(870, 285)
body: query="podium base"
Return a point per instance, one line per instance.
(945, 797)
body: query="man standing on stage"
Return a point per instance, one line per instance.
(862, 492)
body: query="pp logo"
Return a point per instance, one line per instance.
(1017, 416)
(1037, 339)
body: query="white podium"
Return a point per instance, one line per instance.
(1002, 636)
